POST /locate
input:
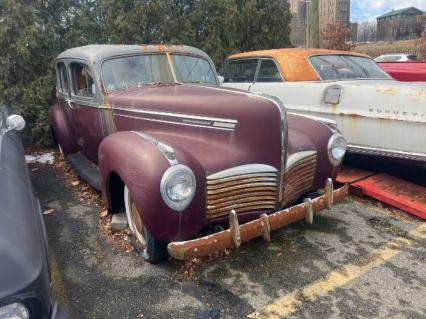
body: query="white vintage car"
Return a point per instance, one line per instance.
(377, 114)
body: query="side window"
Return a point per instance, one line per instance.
(240, 70)
(268, 72)
(82, 80)
(63, 83)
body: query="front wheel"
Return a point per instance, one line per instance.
(151, 249)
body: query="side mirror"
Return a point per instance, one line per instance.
(15, 123)
(221, 79)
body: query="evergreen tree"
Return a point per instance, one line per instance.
(33, 33)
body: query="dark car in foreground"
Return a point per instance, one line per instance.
(25, 285)
(150, 126)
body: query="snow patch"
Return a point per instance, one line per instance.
(44, 158)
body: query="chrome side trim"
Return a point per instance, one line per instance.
(167, 151)
(296, 157)
(242, 170)
(283, 118)
(386, 152)
(172, 122)
(180, 118)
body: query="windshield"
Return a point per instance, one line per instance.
(343, 67)
(138, 70)
(192, 69)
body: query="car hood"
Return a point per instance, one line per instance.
(256, 137)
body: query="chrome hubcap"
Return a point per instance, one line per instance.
(136, 221)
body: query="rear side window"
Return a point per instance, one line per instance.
(82, 80)
(345, 67)
(239, 70)
(268, 72)
(63, 83)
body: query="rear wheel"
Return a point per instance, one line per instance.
(151, 249)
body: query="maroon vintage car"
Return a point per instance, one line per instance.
(150, 127)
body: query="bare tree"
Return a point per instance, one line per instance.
(335, 37)
(421, 46)
(367, 31)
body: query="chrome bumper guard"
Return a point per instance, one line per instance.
(239, 234)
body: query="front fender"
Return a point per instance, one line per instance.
(141, 166)
(308, 134)
(61, 130)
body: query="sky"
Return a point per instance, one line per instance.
(363, 10)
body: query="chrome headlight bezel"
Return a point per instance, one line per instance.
(17, 309)
(174, 172)
(337, 140)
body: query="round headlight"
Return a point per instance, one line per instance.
(336, 148)
(14, 311)
(178, 187)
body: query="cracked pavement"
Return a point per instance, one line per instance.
(95, 280)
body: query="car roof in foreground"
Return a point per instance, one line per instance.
(294, 63)
(95, 53)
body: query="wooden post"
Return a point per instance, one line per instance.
(313, 25)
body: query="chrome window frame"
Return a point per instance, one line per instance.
(243, 59)
(87, 100)
(169, 54)
(270, 58)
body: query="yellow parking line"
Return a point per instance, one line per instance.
(293, 301)
(59, 291)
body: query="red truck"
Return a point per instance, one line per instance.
(413, 71)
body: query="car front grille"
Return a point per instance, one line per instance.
(244, 188)
(299, 175)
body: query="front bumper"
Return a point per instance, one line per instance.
(238, 234)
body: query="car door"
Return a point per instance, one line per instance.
(63, 94)
(86, 109)
(240, 73)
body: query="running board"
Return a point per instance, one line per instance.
(86, 169)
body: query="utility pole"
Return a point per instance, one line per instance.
(313, 24)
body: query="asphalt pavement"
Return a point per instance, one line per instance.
(356, 261)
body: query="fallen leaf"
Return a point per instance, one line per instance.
(48, 211)
(103, 213)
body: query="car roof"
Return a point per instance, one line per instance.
(97, 52)
(294, 63)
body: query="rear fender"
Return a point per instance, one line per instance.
(61, 130)
(140, 165)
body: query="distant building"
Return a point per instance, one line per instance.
(402, 24)
(299, 22)
(334, 11)
(354, 32)
(330, 12)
